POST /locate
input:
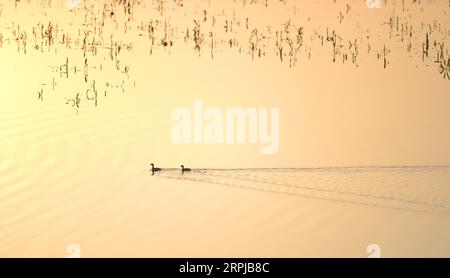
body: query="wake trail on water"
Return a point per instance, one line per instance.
(411, 188)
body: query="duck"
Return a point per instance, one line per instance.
(154, 169)
(183, 169)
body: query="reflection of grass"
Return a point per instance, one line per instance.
(444, 68)
(107, 28)
(332, 39)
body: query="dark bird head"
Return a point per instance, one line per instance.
(152, 164)
(182, 166)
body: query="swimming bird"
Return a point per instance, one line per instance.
(154, 169)
(183, 169)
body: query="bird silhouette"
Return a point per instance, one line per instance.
(154, 169)
(183, 169)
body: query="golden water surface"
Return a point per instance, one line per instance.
(86, 96)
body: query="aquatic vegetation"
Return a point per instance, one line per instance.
(444, 68)
(110, 30)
